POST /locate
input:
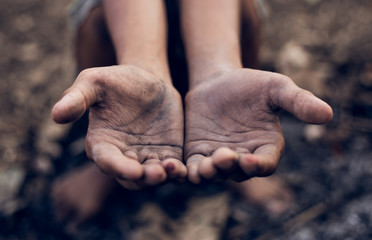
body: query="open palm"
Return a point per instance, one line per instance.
(232, 125)
(135, 128)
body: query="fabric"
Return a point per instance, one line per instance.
(79, 10)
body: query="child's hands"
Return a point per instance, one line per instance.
(232, 125)
(135, 124)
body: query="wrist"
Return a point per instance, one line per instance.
(154, 65)
(204, 69)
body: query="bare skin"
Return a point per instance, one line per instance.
(135, 123)
(136, 119)
(127, 105)
(74, 197)
(232, 125)
(232, 128)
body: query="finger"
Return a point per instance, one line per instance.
(206, 168)
(192, 168)
(175, 169)
(111, 160)
(263, 162)
(154, 172)
(77, 99)
(303, 104)
(225, 159)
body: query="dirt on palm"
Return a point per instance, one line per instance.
(324, 46)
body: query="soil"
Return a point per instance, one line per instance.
(324, 46)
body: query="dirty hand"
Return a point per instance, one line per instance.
(232, 125)
(135, 128)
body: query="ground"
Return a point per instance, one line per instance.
(325, 46)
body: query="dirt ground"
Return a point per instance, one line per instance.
(325, 46)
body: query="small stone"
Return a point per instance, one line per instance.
(11, 180)
(313, 2)
(29, 51)
(293, 57)
(8, 208)
(314, 133)
(43, 165)
(77, 147)
(23, 23)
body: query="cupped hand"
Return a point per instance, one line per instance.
(135, 128)
(232, 125)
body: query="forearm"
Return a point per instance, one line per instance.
(211, 30)
(139, 34)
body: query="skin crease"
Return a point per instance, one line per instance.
(136, 121)
(132, 130)
(246, 140)
(232, 126)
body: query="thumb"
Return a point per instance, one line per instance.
(75, 101)
(304, 105)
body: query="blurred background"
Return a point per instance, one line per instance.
(324, 46)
